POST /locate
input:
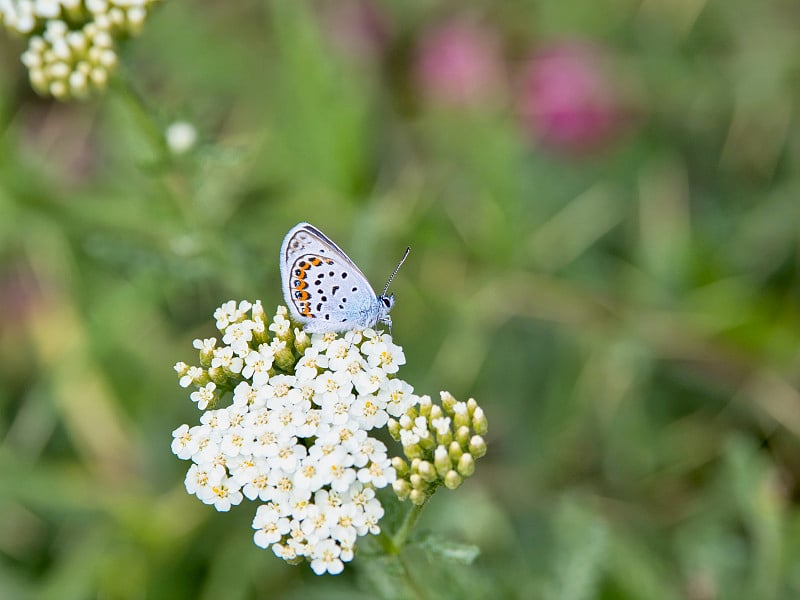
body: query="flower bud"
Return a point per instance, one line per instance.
(394, 429)
(418, 497)
(32, 60)
(416, 481)
(427, 442)
(400, 466)
(38, 80)
(412, 451)
(445, 438)
(259, 329)
(78, 85)
(135, 19)
(462, 436)
(436, 412)
(257, 312)
(471, 406)
(77, 41)
(479, 422)
(58, 70)
(452, 480)
(73, 10)
(117, 17)
(217, 375)
(477, 446)
(401, 488)
(427, 471)
(206, 353)
(301, 341)
(201, 378)
(442, 461)
(466, 465)
(61, 50)
(59, 90)
(284, 357)
(460, 416)
(103, 39)
(425, 406)
(448, 402)
(455, 451)
(99, 77)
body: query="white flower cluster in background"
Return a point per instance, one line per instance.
(295, 434)
(71, 43)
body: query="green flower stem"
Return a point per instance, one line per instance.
(122, 85)
(398, 540)
(138, 107)
(394, 544)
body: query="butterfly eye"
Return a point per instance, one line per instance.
(388, 301)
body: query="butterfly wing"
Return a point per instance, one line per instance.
(324, 290)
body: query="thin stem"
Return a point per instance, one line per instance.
(141, 111)
(148, 122)
(401, 535)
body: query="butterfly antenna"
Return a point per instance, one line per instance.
(396, 269)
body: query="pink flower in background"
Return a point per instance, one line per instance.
(360, 29)
(459, 63)
(568, 97)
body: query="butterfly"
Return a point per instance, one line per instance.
(324, 289)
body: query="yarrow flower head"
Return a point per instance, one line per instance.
(72, 43)
(288, 422)
(440, 443)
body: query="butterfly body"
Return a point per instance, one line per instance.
(324, 290)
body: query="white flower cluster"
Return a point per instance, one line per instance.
(295, 435)
(71, 42)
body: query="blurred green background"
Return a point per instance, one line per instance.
(603, 205)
